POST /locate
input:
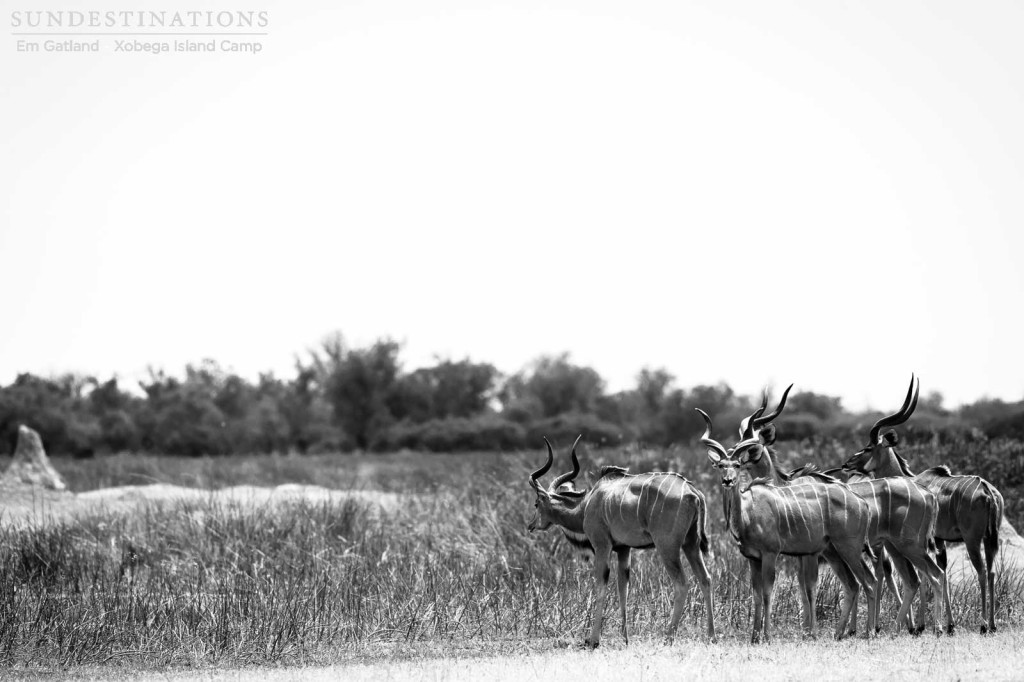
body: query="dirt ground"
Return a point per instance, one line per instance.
(967, 656)
(21, 506)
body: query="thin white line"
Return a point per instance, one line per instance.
(659, 496)
(846, 513)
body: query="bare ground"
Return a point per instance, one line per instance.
(38, 506)
(964, 656)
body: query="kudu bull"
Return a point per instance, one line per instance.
(622, 512)
(772, 516)
(970, 509)
(901, 523)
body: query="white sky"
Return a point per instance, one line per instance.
(823, 193)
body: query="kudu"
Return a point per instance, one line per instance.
(902, 522)
(886, 579)
(770, 517)
(622, 512)
(970, 509)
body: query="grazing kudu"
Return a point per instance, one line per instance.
(768, 517)
(970, 509)
(622, 512)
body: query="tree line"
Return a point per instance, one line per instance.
(343, 398)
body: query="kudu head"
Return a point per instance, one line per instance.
(869, 458)
(561, 494)
(756, 433)
(718, 455)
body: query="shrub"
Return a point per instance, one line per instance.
(455, 434)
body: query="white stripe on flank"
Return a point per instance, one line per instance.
(679, 508)
(846, 512)
(888, 506)
(906, 516)
(658, 494)
(822, 507)
(640, 502)
(784, 509)
(957, 498)
(800, 512)
(977, 486)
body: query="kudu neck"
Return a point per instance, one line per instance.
(891, 464)
(732, 501)
(568, 515)
(765, 468)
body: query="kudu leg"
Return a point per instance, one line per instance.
(876, 604)
(865, 575)
(622, 582)
(674, 566)
(943, 561)
(933, 580)
(890, 582)
(703, 576)
(974, 552)
(991, 551)
(904, 560)
(757, 589)
(768, 568)
(808, 579)
(601, 572)
(851, 589)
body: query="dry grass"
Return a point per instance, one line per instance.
(446, 579)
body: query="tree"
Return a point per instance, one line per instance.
(551, 386)
(359, 388)
(448, 389)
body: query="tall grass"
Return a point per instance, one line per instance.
(214, 582)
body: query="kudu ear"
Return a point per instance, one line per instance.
(715, 458)
(891, 438)
(767, 435)
(751, 454)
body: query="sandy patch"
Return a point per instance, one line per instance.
(33, 505)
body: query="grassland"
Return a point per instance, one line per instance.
(444, 583)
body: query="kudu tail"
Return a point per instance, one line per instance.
(995, 514)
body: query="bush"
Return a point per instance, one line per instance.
(565, 427)
(455, 434)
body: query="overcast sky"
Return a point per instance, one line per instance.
(825, 193)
